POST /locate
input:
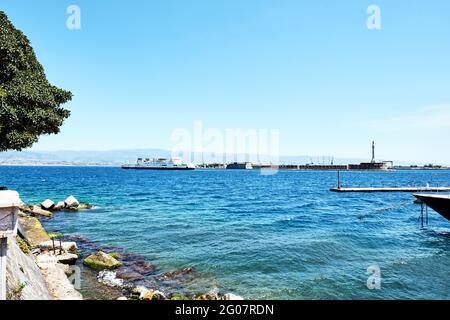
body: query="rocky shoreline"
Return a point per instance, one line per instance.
(106, 272)
(38, 264)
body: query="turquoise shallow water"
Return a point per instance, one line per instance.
(266, 237)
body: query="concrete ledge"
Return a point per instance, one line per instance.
(9, 199)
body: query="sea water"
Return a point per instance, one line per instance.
(282, 236)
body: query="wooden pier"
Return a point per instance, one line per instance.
(387, 189)
(393, 189)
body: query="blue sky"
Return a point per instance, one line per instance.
(312, 69)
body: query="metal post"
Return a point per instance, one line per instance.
(421, 212)
(3, 247)
(373, 151)
(339, 179)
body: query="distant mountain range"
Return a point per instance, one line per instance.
(68, 157)
(119, 157)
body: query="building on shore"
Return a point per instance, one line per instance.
(373, 164)
(385, 165)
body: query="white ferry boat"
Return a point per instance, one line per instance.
(159, 164)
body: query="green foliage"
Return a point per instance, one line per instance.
(99, 265)
(55, 235)
(23, 245)
(16, 293)
(29, 105)
(178, 296)
(84, 206)
(101, 261)
(94, 264)
(115, 255)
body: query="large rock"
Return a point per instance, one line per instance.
(101, 261)
(47, 205)
(153, 295)
(35, 234)
(140, 266)
(61, 205)
(212, 295)
(231, 296)
(39, 212)
(36, 211)
(140, 291)
(64, 258)
(67, 258)
(71, 203)
(129, 276)
(85, 206)
(177, 275)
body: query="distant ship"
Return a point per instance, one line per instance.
(159, 164)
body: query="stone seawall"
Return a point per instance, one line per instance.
(24, 280)
(33, 271)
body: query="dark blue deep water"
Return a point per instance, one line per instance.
(267, 237)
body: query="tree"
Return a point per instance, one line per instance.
(29, 105)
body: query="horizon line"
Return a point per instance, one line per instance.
(313, 157)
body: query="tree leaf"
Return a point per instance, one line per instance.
(29, 105)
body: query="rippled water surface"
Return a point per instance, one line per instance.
(268, 237)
